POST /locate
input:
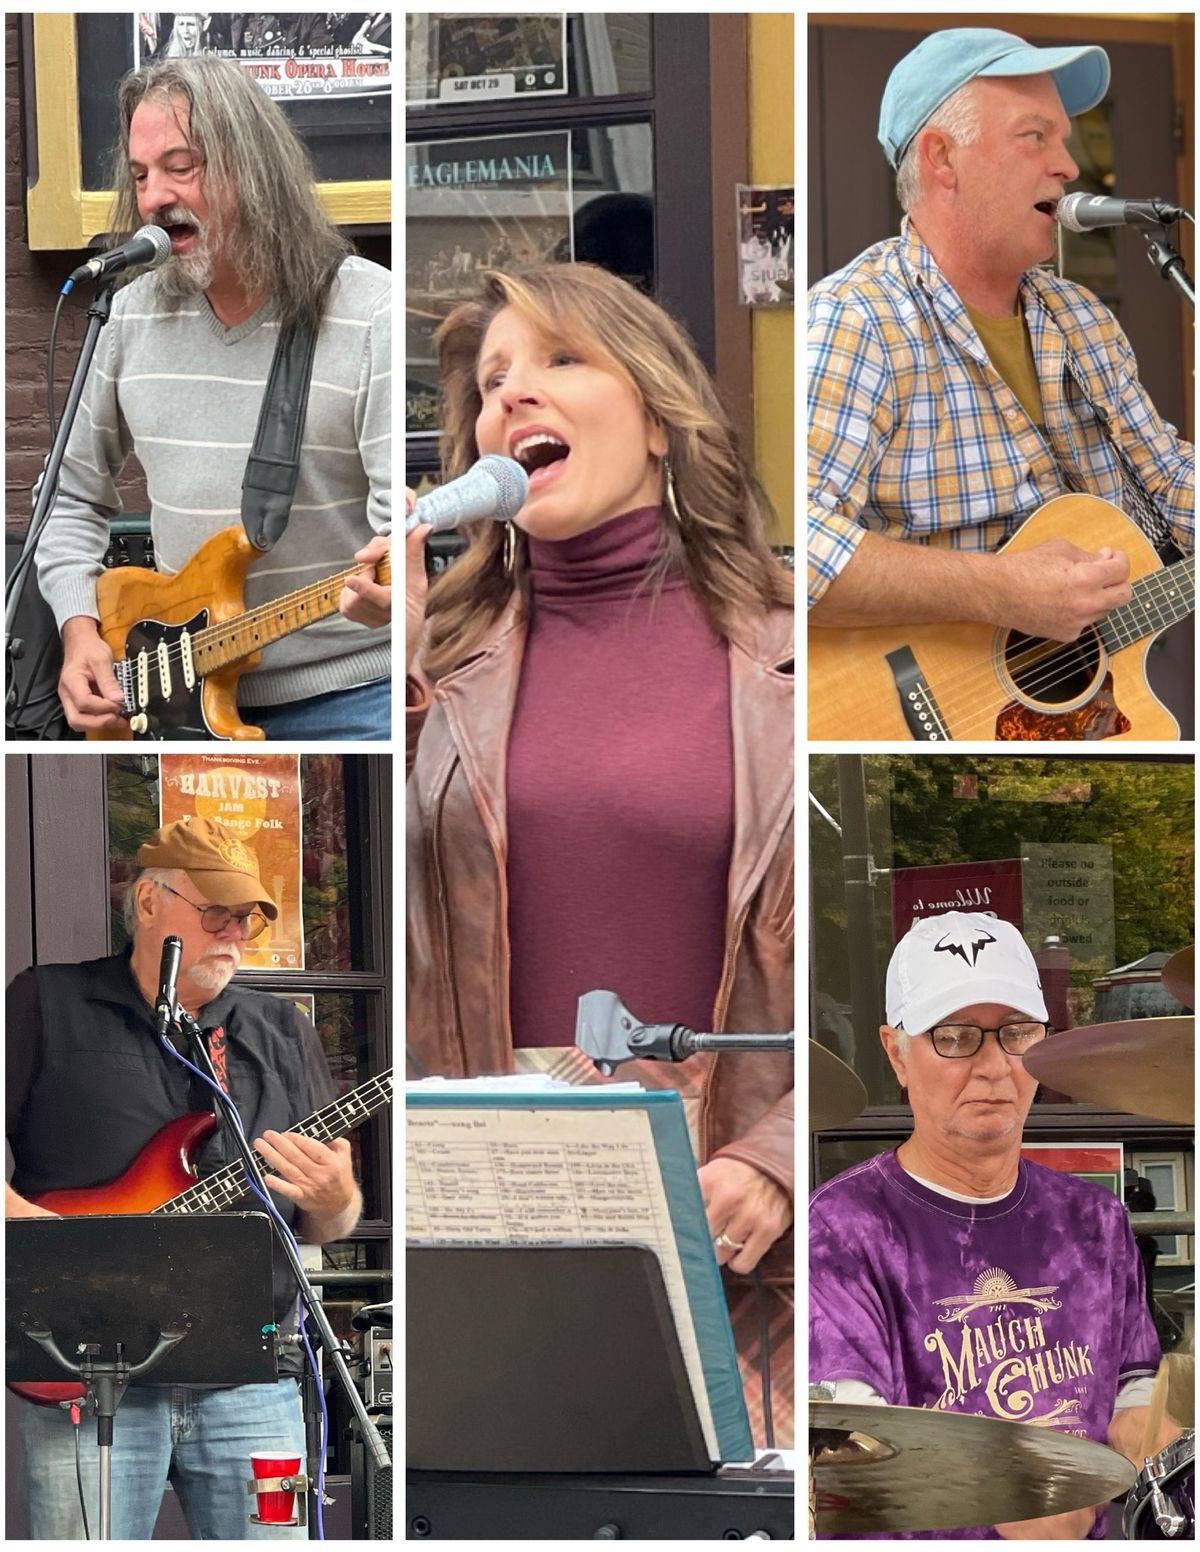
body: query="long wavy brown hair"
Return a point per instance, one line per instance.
(282, 243)
(719, 545)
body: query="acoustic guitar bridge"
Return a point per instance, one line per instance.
(917, 701)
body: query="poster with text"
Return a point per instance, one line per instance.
(472, 59)
(766, 245)
(257, 796)
(304, 54)
(992, 888)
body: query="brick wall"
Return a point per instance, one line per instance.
(32, 283)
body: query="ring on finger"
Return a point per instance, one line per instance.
(723, 1242)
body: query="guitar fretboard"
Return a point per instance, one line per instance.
(1160, 599)
(228, 1185)
(216, 646)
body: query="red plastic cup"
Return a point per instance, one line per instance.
(275, 1508)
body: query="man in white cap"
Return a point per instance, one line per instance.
(956, 1275)
(954, 387)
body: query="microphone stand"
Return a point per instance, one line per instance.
(97, 314)
(372, 1439)
(606, 1031)
(1168, 261)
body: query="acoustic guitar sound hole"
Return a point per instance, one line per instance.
(1053, 673)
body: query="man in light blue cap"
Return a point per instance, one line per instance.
(955, 387)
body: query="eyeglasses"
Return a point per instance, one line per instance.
(953, 1040)
(215, 918)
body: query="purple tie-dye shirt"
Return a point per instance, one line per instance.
(1032, 1308)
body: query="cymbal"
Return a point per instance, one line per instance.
(906, 1468)
(1141, 1066)
(1179, 976)
(835, 1092)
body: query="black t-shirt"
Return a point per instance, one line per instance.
(88, 1085)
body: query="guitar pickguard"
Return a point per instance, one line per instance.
(180, 714)
(1100, 718)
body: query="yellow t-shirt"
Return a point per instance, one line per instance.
(1007, 343)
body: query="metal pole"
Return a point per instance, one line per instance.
(866, 1004)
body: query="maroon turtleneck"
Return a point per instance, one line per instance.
(620, 789)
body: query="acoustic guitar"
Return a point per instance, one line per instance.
(933, 683)
(180, 643)
(162, 1180)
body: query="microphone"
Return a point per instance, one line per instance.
(494, 487)
(1087, 212)
(150, 246)
(168, 975)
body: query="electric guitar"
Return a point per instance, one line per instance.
(180, 643)
(162, 1180)
(939, 682)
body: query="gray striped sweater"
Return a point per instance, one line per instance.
(173, 384)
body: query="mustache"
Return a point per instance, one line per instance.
(178, 215)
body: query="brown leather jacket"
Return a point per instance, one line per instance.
(458, 952)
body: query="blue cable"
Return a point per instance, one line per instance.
(281, 1221)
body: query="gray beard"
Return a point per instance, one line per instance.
(211, 975)
(184, 276)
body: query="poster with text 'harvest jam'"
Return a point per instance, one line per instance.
(257, 797)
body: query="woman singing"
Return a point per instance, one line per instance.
(600, 731)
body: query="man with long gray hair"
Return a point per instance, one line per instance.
(179, 378)
(955, 386)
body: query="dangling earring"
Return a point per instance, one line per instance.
(669, 490)
(510, 548)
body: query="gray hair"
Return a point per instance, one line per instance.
(163, 877)
(282, 242)
(957, 117)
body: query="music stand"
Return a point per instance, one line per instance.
(546, 1358)
(150, 1299)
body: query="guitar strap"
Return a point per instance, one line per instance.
(273, 466)
(1138, 503)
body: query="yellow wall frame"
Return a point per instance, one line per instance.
(61, 213)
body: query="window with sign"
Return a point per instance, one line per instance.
(550, 138)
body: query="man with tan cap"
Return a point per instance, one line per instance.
(955, 387)
(88, 1087)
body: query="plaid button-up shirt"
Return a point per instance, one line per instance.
(913, 433)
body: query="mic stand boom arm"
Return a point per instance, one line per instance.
(606, 1031)
(372, 1439)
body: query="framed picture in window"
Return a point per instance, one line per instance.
(337, 93)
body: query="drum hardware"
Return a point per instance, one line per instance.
(1161, 1503)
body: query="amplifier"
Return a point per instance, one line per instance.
(377, 1350)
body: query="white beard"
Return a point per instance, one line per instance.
(214, 975)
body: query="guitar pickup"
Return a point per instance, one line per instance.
(917, 701)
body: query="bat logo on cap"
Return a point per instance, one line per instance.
(958, 943)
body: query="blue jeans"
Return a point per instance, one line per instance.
(200, 1439)
(364, 712)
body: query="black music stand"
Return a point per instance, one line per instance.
(149, 1299)
(546, 1358)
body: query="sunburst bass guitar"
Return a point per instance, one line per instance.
(162, 1180)
(180, 643)
(933, 683)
